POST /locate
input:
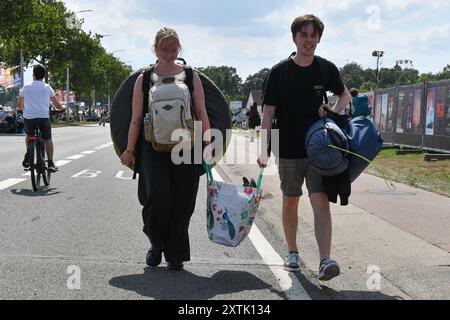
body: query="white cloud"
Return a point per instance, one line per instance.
(409, 29)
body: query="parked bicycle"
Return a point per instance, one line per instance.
(40, 174)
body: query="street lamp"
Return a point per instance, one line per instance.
(116, 51)
(73, 22)
(378, 54)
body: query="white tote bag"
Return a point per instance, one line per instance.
(231, 210)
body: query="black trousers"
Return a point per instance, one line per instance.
(168, 193)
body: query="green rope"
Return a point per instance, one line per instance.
(388, 182)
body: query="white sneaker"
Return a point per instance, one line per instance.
(292, 262)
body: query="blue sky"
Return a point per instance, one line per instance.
(252, 34)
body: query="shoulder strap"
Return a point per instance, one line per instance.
(284, 81)
(323, 64)
(189, 78)
(146, 84)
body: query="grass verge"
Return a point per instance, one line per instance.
(413, 170)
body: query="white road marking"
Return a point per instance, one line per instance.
(76, 157)
(27, 173)
(105, 145)
(287, 281)
(87, 174)
(99, 148)
(61, 163)
(88, 152)
(119, 175)
(9, 182)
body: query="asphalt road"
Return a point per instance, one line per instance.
(81, 238)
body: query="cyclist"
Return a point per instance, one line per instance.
(34, 101)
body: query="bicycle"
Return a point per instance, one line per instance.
(36, 156)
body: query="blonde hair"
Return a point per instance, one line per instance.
(165, 33)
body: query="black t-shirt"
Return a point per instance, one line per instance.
(299, 109)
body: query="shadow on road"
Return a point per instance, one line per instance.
(45, 192)
(318, 290)
(161, 284)
(356, 295)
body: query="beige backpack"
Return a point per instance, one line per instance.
(169, 109)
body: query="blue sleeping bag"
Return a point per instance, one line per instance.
(325, 160)
(363, 139)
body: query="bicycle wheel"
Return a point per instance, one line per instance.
(34, 154)
(46, 174)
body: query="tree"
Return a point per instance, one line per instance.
(38, 28)
(254, 82)
(226, 79)
(367, 86)
(444, 74)
(353, 75)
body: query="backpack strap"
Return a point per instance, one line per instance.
(325, 72)
(189, 78)
(146, 84)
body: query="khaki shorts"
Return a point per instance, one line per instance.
(292, 174)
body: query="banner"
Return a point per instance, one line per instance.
(6, 78)
(431, 102)
(384, 112)
(441, 118)
(416, 128)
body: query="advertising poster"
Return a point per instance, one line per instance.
(430, 111)
(440, 119)
(390, 113)
(384, 105)
(378, 111)
(447, 117)
(409, 110)
(400, 107)
(6, 78)
(416, 129)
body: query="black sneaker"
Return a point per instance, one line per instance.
(175, 265)
(154, 257)
(26, 161)
(52, 167)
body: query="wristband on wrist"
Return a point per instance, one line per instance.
(131, 151)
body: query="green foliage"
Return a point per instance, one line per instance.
(39, 28)
(367, 86)
(225, 78)
(352, 74)
(254, 82)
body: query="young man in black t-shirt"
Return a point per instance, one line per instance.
(298, 106)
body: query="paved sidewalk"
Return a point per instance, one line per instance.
(405, 234)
